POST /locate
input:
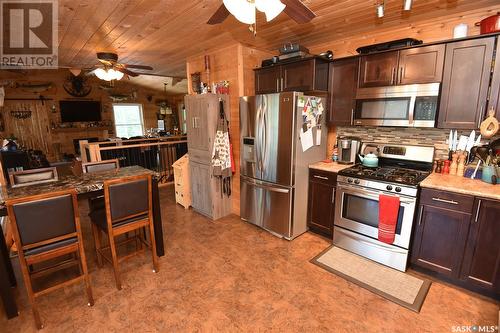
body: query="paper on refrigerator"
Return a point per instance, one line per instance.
(306, 139)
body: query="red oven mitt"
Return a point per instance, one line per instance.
(388, 208)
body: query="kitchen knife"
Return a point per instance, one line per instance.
(450, 141)
(478, 140)
(455, 141)
(462, 142)
(470, 141)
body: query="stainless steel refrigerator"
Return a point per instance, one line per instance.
(273, 163)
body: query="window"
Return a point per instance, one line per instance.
(128, 120)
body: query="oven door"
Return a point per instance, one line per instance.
(357, 210)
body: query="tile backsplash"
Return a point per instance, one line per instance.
(413, 136)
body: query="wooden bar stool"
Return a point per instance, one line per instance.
(91, 167)
(45, 227)
(128, 207)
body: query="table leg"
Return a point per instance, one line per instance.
(9, 303)
(4, 253)
(160, 250)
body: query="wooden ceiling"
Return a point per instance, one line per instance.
(163, 33)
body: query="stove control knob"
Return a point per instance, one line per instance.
(356, 181)
(398, 189)
(389, 187)
(349, 180)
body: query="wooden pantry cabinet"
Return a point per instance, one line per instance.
(321, 202)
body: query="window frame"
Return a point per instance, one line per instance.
(141, 111)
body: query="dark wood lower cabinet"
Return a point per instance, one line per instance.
(440, 237)
(481, 263)
(321, 197)
(456, 237)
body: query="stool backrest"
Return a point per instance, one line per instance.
(45, 218)
(32, 177)
(128, 197)
(106, 165)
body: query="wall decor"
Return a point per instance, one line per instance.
(77, 86)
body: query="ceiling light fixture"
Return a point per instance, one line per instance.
(407, 5)
(108, 74)
(244, 10)
(380, 10)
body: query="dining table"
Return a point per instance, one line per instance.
(87, 185)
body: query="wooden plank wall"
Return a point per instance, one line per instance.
(61, 140)
(234, 63)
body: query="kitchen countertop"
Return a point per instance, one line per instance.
(331, 167)
(461, 185)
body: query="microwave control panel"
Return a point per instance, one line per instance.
(425, 108)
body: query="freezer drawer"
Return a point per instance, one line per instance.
(266, 205)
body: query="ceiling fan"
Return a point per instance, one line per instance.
(110, 69)
(244, 10)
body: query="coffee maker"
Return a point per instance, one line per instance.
(348, 147)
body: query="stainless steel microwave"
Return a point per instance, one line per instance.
(413, 105)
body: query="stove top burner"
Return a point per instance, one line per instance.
(388, 174)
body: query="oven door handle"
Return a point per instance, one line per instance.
(369, 193)
(373, 243)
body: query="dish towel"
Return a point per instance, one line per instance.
(388, 208)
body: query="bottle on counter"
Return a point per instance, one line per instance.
(335, 156)
(446, 167)
(454, 164)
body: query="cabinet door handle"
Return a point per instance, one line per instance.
(277, 85)
(393, 74)
(478, 209)
(352, 117)
(420, 215)
(453, 202)
(320, 177)
(333, 195)
(281, 84)
(400, 74)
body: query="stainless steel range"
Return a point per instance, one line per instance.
(401, 169)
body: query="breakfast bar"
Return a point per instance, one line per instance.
(88, 185)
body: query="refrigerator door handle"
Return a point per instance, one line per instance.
(264, 140)
(265, 186)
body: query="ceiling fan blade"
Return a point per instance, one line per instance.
(126, 71)
(219, 16)
(149, 68)
(297, 11)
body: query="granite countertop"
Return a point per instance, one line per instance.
(88, 182)
(462, 185)
(331, 167)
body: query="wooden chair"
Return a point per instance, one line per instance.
(105, 165)
(128, 207)
(33, 177)
(47, 226)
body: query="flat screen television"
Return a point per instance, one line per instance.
(73, 111)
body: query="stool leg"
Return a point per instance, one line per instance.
(115, 259)
(83, 265)
(29, 289)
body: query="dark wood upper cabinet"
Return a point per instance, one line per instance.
(481, 264)
(495, 85)
(465, 84)
(307, 75)
(421, 64)
(298, 76)
(268, 80)
(321, 197)
(378, 69)
(343, 85)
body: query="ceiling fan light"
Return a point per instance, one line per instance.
(407, 4)
(114, 74)
(271, 8)
(243, 10)
(108, 74)
(101, 74)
